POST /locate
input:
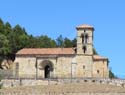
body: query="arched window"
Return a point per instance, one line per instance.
(84, 37)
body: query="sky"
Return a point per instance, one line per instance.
(55, 17)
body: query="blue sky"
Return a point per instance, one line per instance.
(55, 17)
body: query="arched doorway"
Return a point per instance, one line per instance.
(47, 68)
(47, 71)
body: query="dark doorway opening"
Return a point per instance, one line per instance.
(47, 71)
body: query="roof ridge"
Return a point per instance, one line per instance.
(48, 48)
(46, 51)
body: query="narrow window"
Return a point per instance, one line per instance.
(84, 30)
(82, 36)
(103, 62)
(84, 49)
(98, 71)
(86, 38)
(83, 66)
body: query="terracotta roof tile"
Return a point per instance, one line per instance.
(43, 51)
(52, 51)
(85, 26)
(98, 57)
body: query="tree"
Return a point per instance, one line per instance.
(42, 41)
(94, 51)
(1, 26)
(111, 74)
(12, 42)
(31, 42)
(74, 41)
(18, 30)
(1, 22)
(18, 39)
(4, 45)
(7, 28)
(68, 43)
(53, 43)
(60, 41)
(46, 42)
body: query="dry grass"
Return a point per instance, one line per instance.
(68, 88)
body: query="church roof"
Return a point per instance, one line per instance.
(98, 57)
(85, 26)
(53, 51)
(46, 51)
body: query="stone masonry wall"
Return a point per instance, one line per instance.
(62, 67)
(100, 69)
(35, 91)
(32, 82)
(84, 66)
(26, 66)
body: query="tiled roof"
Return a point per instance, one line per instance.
(98, 57)
(52, 51)
(45, 51)
(85, 26)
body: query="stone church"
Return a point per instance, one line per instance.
(75, 62)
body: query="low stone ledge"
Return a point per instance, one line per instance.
(27, 82)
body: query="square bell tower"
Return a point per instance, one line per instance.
(84, 53)
(85, 39)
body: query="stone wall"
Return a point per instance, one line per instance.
(25, 82)
(26, 66)
(100, 69)
(6, 73)
(84, 66)
(32, 82)
(38, 90)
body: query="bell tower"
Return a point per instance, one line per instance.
(84, 50)
(85, 39)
